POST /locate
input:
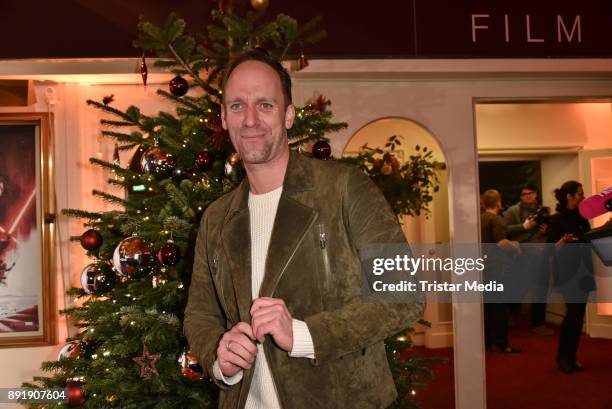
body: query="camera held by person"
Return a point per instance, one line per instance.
(541, 215)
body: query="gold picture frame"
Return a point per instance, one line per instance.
(28, 312)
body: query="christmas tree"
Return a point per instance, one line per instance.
(129, 350)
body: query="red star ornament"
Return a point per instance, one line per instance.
(147, 362)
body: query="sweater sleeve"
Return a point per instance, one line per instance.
(302, 341)
(228, 380)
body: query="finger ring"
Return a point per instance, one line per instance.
(228, 345)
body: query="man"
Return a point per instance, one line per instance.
(275, 313)
(525, 229)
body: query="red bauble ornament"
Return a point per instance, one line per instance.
(75, 393)
(321, 150)
(91, 240)
(178, 86)
(204, 161)
(169, 254)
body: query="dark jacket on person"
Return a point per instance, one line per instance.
(514, 217)
(327, 213)
(493, 229)
(573, 260)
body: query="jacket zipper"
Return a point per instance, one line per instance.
(323, 246)
(219, 285)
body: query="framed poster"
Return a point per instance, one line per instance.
(27, 267)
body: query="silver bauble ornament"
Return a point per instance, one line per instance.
(233, 165)
(88, 276)
(156, 162)
(131, 256)
(190, 367)
(71, 349)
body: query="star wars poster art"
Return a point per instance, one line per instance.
(20, 234)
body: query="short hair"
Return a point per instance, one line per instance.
(263, 57)
(490, 198)
(529, 186)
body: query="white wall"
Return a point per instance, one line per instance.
(537, 125)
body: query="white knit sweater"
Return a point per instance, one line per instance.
(262, 393)
(262, 209)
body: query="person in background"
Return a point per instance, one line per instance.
(527, 224)
(573, 270)
(493, 231)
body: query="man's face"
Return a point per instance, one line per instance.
(254, 113)
(529, 197)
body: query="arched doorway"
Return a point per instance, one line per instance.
(424, 232)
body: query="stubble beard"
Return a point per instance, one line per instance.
(256, 157)
(262, 154)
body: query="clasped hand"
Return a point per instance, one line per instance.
(237, 349)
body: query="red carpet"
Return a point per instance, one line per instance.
(531, 380)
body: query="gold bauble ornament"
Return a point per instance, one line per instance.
(260, 5)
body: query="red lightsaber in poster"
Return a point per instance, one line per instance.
(8, 236)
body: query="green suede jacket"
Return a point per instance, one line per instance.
(327, 212)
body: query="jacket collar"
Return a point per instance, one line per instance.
(298, 178)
